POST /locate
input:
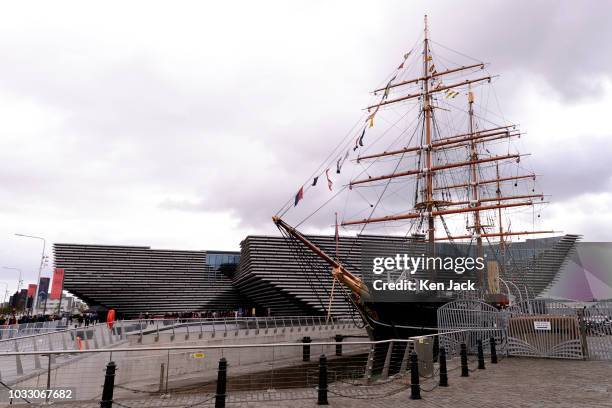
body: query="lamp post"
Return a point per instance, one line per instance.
(42, 260)
(20, 281)
(5, 293)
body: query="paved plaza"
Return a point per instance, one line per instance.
(515, 382)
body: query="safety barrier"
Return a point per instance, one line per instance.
(9, 331)
(544, 328)
(198, 328)
(22, 368)
(196, 375)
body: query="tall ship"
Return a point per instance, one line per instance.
(433, 163)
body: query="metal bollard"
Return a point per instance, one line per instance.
(322, 389)
(338, 338)
(221, 384)
(306, 348)
(481, 362)
(109, 386)
(493, 351)
(443, 373)
(415, 387)
(465, 372)
(161, 377)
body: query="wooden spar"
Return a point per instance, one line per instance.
(437, 213)
(499, 199)
(434, 168)
(474, 180)
(505, 128)
(453, 144)
(429, 154)
(429, 92)
(337, 240)
(428, 77)
(495, 234)
(463, 185)
(339, 272)
(499, 215)
(489, 139)
(438, 144)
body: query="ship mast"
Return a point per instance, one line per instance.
(477, 227)
(428, 161)
(475, 171)
(428, 208)
(501, 226)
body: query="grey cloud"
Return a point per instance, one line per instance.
(578, 167)
(241, 130)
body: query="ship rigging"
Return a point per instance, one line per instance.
(429, 162)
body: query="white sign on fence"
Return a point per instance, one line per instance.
(541, 325)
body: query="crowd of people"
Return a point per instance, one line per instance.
(79, 319)
(90, 318)
(191, 315)
(199, 315)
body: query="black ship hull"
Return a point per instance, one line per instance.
(401, 320)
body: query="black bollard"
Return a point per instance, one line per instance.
(306, 348)
(109, 386)
(465, 372)
(493, 351)
(221, 384)
(322, 389)
(481, 363)
(443, 373)
(338, 339)
(415, 387)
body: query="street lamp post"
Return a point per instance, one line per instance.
(42, 260)
(5, 293)
(20, 281)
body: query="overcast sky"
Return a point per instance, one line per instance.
(186, 125)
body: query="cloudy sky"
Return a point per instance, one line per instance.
(188, 124)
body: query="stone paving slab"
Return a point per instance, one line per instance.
(515, 382)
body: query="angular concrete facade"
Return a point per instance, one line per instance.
(273, 275)
(135, 280)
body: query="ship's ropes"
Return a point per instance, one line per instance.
(318, 275)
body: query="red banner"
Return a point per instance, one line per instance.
(58, 283)
(31, 290)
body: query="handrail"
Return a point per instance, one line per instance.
(27, 336)
(173, 322)
(233, 346)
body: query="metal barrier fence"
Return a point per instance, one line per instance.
(596, 324)
(189, 375)
(481, 320)
(84, 337)
(545, 328)
(9, 331)
(23, 367)
(96, 336)
(227, 326)
(12, 331)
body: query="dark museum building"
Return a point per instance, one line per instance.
(265, 275)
